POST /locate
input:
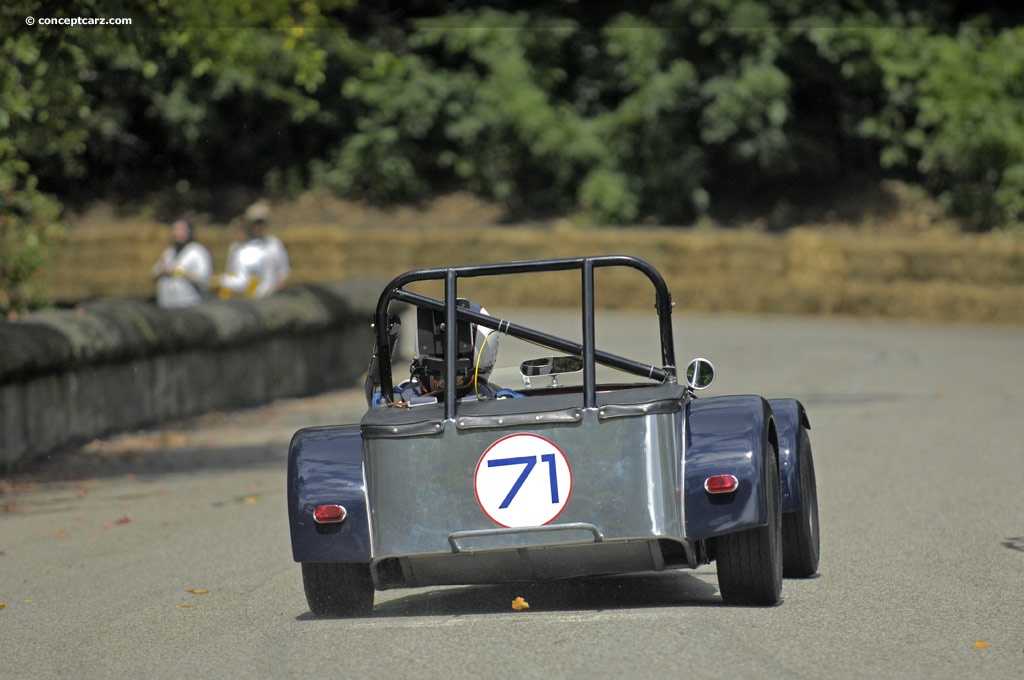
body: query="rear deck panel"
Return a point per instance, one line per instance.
(625, 491)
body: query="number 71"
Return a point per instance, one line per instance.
(529, 462)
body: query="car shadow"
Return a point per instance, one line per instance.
(855, 399)
(1014, 543)
(86, 463)
(593, 593)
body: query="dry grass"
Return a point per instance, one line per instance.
(902, 260)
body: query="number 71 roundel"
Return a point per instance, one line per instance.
(522, 480)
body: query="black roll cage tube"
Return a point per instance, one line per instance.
(591, 356)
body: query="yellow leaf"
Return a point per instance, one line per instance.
(197, 591)
(980, 645)
(184, 606)
(2, 606)
(519, 604)
(251, 500)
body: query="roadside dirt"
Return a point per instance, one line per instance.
(891, 208)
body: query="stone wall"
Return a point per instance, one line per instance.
(116, 362)
(68, 376)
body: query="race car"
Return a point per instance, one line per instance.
(581, 463)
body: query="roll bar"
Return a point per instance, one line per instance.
(395, 291)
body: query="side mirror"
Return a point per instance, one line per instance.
(700, 373)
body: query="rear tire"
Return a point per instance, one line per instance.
(801, 541)
(750, 561)
(338, 589)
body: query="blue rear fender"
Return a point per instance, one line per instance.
(790, 416)
(726, 436)
(325, 466)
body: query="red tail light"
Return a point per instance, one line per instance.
(330, 514)
(721, 484)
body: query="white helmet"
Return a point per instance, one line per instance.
(477, 349)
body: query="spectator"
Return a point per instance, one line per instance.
(183, 271)
(241, 237)
(248, 271)
(279, 269)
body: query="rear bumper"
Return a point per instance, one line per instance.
(543, 561)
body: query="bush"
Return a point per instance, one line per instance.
(667, 111)
(30, 232)
(952, 115)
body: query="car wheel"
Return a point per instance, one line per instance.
(338, 589)
(801, 542)
(750, 561)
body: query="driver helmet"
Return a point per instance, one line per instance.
(476, 351)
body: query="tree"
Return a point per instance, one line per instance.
(952, 114)
(658, 110)
(151, 100)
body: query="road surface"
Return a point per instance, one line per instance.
(165, 554)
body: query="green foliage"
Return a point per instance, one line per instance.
(132, 106)
(669, 111)
(499, 108)
(30, 231)
(41, 130)
(396, 102)
(953, 115)
(609, 195)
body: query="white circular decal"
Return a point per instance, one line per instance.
(522, 480)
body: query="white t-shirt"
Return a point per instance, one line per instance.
(251, 273)
(279, 268)
(174, 289)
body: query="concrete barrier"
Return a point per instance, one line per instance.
(68, 376)
(117, 364)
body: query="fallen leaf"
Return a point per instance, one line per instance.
(184, 606)
(2, 606)
(519, 604)
(197, 591)
(980, 645)
(251, 500)
(123, 520)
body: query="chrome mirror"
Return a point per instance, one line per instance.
(700, 373)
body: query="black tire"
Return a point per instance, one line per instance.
(750, 561)
(801, 540)
(338, 589)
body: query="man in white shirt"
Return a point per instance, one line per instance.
(249, 271)
(278, 266)
(184, 269)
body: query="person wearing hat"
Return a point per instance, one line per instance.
(248, 272)
(257, 216)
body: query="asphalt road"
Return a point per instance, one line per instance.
(165, 554)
